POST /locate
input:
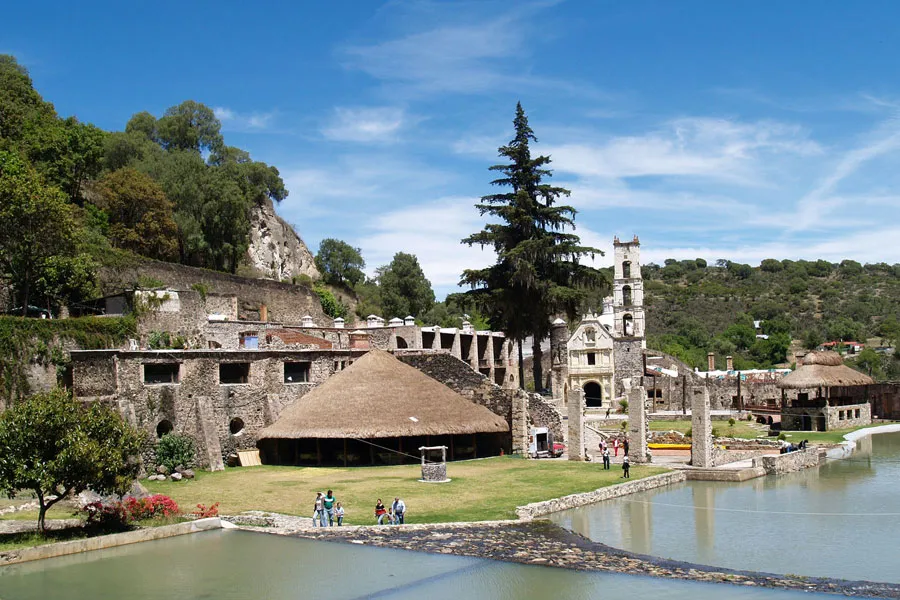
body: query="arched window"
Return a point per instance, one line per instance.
(164, 427)
(590, 335)
(626, 269)
(401, 343)
(628, 325)
(626, 295)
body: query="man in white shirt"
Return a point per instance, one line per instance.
(398, 508)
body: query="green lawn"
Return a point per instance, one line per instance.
(28, 539)
(480, 490)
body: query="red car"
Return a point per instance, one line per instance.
(558, 449)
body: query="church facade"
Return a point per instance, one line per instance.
(604, 356)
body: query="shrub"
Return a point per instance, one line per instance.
(782, 437)
(624, 425)
(731, 422)
(689, 432)
(106, 516)
(163, 340)
(623, 405)
(204, 511)
(156, 506)
(175, 450)
(201, 289)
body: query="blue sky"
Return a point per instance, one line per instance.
(739, 130)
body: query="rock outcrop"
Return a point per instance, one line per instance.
(276, 251)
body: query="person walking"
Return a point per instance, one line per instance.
(339, 514)
(606, 459)
(328, 509)
(625, 446)
(380, 511)
(318, 511)
(616, 446)
(626, 467)
(399, 510)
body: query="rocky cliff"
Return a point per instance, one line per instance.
(276, 251)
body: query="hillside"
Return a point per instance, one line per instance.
(694, 308)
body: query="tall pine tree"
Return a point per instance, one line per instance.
(537, 273)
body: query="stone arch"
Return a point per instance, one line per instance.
(626, 269)
(627, 325)
(593, 394)
(402, 343)
(163, 427)
(626, 295)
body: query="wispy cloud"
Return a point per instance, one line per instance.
(237, 121)
(460, 49)
(365, 124)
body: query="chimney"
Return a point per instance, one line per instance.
(359, 340)
(711, 361)
(307, 321)
(339, 323)
(729, 363)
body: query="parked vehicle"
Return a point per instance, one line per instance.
(35, 312)
(558, 449)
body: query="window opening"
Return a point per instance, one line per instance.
(234, 373)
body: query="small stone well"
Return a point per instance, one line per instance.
(434, 470)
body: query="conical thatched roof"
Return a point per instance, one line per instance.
(823, 369)
(378, 397)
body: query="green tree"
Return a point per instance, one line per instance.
(741, 335)
(188, 126)
(813, 338)
(869, 363)
(404, 288)
(340, 263)
(140, 215)
(54, 446)
(38, 227)
(537, 272)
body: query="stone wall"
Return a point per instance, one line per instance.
(851, 415)
(221, 418)
(788, 463)
(628, 356)
(545, 414)
(539, 509)
(284, 302)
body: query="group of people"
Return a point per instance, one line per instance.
(394, 514)
(604, 452)
(327, 510)
(789, 447)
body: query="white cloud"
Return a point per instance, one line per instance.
(713, 148)
(379, 124)
(235, 121)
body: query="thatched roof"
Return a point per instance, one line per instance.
(378, 397)
(823, 369)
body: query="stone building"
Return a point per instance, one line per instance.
(591, 363)
(628, 315)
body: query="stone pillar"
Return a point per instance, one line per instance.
(576, 424)
(209, 433)
(559, 359)
(701, 428)
(519, 426)
(637, 426)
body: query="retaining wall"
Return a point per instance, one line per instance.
(539, 509)
(788, 463)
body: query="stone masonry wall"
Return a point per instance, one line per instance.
(788, 463)
(285, 302)
(539, 509)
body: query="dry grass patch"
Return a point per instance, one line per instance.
(480, 490)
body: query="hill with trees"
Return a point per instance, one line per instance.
(694, 308)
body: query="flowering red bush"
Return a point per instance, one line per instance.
(151, 507)
(121, 513)
(204, 512)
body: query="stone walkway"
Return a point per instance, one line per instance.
(542, 543)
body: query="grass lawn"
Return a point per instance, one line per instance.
(480, 490)
(29, 539)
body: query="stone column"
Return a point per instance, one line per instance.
(519, 426)
(576, 424)
(701, 428)
(209, 433)
(637, 426)
(559, 359)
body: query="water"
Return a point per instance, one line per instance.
(225, 565)
(841, 520)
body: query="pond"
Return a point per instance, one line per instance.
(840, 520)
(225, 565)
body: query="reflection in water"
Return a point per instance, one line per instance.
(231, 565)
(840, 520)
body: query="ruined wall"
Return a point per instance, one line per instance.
(845, 417)
(199, 405)
(544, 414)
(628, 356)
(788, 463)
(285, 302)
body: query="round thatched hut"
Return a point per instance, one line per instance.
(380, 410)
(826, 402)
